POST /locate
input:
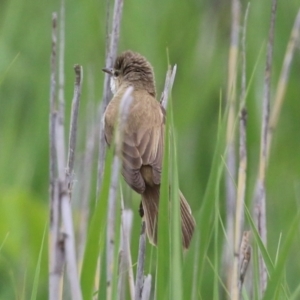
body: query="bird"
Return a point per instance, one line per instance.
(142, 139)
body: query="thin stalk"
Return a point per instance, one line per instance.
(239, 215)
(110, 58)
(86, 181)
(244, 257)
(147, 287)
(125, 259)
(61, 65)
(56, 251)
(283, 80)
(230, 139)
(65, 189)
(260, 191)
(69, 241)
(110, 238)
(242, 172)
(140, 266)
(170, 78)
(73, 124)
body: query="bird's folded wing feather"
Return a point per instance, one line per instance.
(143, 142)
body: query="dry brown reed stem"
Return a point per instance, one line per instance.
(61, 100)
(85, 181)
(73, 124)
(111, 217)
(102, 149)
(239, 214)
(56, 251)
(231, 100)
(260, 191)
(164, 94)
(242, 172)
(147, 287)
(122, 275)
(62, 243)
(69, 241)
(127, 217)
(111, 53)
(170, 78)
(283, 80)
(243, 54)
(125, 261)
(52, 101)
(65, 189)
(113, 191)
(112, 46)
(230, 139)
(244, 258)
(61, 65)
(140, 266)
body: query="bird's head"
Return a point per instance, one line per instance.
(131, 68)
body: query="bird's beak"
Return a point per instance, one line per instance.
(108, 71)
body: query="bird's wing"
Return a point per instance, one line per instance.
(143, 143)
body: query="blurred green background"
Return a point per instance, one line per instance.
(197, 34)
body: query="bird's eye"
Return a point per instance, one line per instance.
(116, 74)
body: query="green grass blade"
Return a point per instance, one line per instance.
(196, 257)
(176, 291)
(96, 234)
(275, 278)
(2, 77)
(216, 236)
(5, 238)
(102, 280)
(115, 277)
(38, 267)
(261, 246)
(218, 275)
(255, 263)
(163, 237)
(296, 294)
(205, 218)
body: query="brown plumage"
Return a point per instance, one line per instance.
(143, 138)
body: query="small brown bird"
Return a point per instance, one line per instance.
(143, 138)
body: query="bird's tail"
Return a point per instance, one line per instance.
(150, 200)
(187, 221)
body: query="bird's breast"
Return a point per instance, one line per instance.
(110, 118)
(113, 85)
